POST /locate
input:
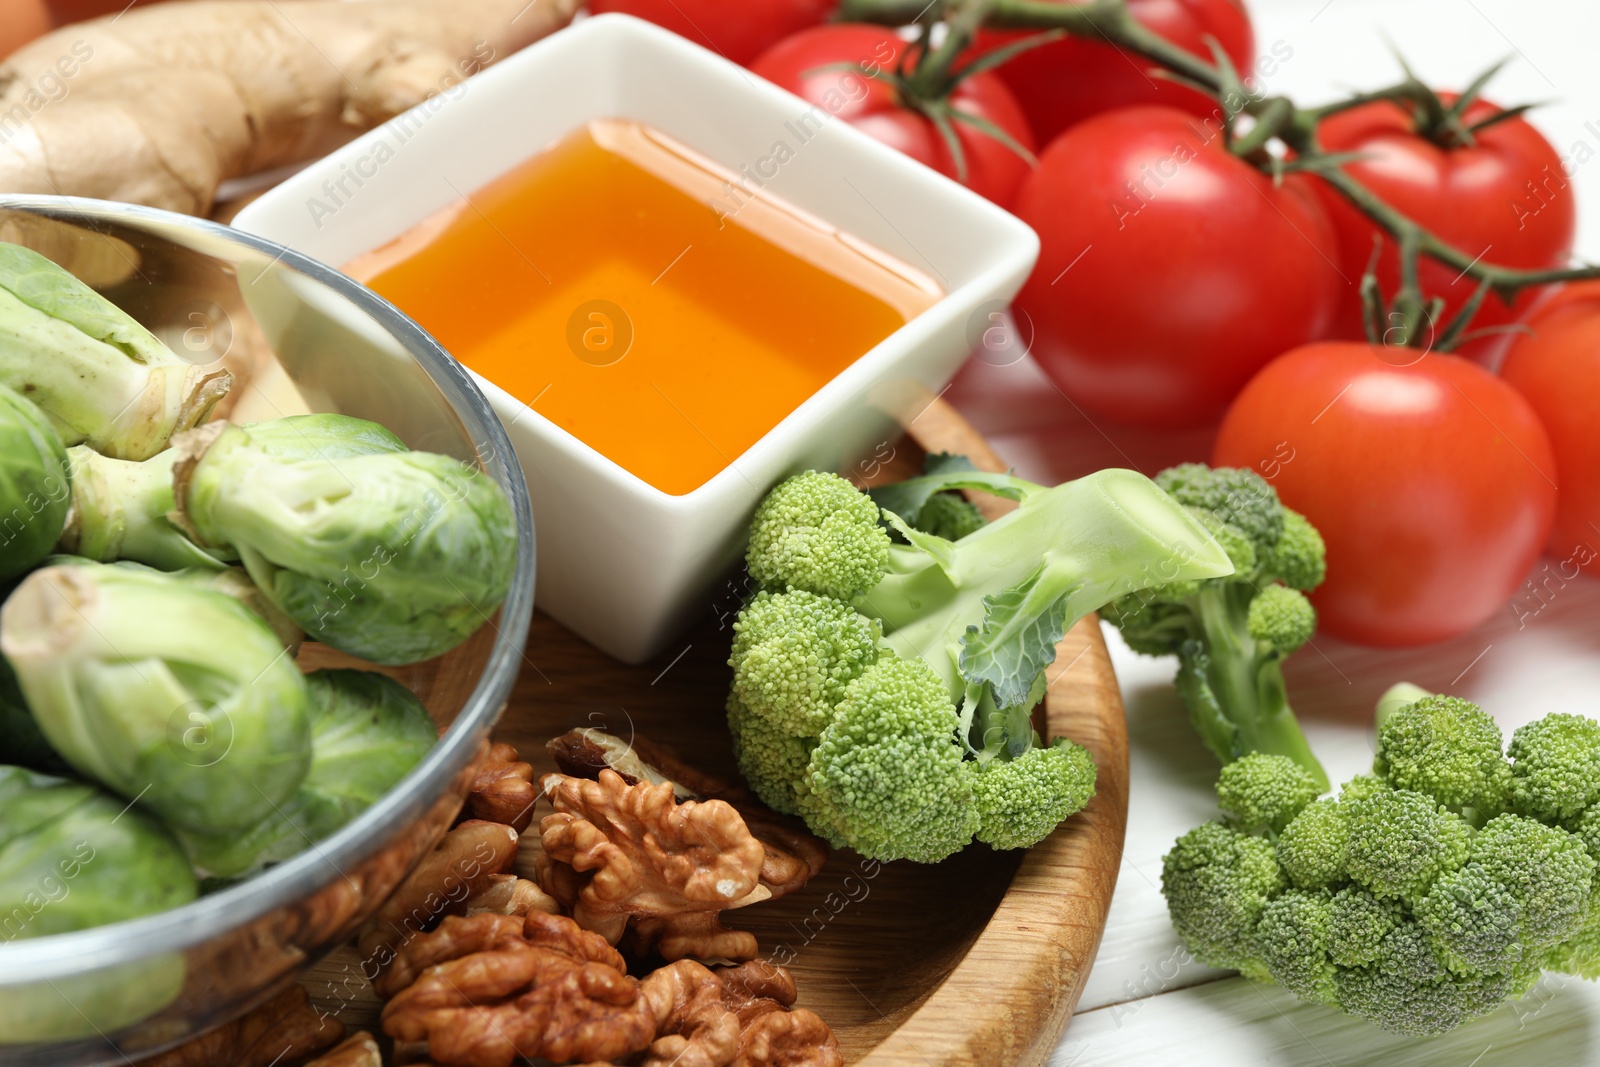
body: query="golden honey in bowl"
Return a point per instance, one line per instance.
(662, 309)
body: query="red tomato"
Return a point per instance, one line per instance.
(1064, 82)
(739, 32)
(1171, 270)
(1506, 197)
(1431, 483)
(874, 106)
(1557, 368)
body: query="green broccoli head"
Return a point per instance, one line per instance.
(887, 777)
(1232, 632)
(1281, 618)
(1295, 935)
(1401, 841)
(1473, 920)
(1259, 792)
(1299, 559)
(1449, 749)
(774, 763)
(1556, 767)
(1548, 871)
(1315, 844)
(1408, 990)
(1218, 882)
(793, 655)
(950, 516)
(817, 532)
(1360, 923)
(1020, 801)
(1241, 498)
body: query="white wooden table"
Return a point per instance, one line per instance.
(1146, 1001)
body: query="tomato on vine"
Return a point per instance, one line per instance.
(1171, 270)
(1556, 366)
(965, 126)
(1064, 82)
(737, 35)
(1431, 480)
(1477, 176)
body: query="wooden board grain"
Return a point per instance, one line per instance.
(973, 962)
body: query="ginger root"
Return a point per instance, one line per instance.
(160, 105)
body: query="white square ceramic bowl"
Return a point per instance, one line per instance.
(623, 564)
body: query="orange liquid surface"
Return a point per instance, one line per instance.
(598, 283)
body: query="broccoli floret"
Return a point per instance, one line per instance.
(1360, 923)
(1218, 882)
(1259, 792)
(1300, 557)
(794, 653)
(1363, 786)
(1021, 801)
(819, 533)
(888, 778)
(1231, 633)
(1295, 934)
(1449, 749)
(950, 516)
(1241, 498)
(1394, 908)
(1556, 768)
(773, 763)
(827, 720)
(1407, 990)
(1314, 845)
(1281, 618)
(1547, 870)
(1401, 841)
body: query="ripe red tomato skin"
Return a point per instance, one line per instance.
(1556, 368)
(1431, 483)
(873, 106)
(1188, 282)
(757, 26)
(1062, 83)
(1507, 197)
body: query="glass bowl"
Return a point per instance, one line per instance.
(299, 336)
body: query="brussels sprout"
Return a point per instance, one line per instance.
(367, 732)
(232, 581)
(73, 857)
(99, 377)
(162, 691)
(393, 558)
(21, 743)
(35, 485)
(122, 510)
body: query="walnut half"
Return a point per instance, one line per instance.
(671, 868)
(707, 1018)
(484, 990)
(794, 855)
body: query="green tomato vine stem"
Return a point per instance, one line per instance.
(1276, 117)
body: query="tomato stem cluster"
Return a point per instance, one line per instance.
(1276, 118)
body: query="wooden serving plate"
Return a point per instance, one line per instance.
(974, 962)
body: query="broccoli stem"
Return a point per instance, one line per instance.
(1246, 679)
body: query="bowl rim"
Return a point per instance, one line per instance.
(202, 920)
(1011, 241)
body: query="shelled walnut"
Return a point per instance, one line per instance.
(642, 856)
(503, 790)
(794, 855)
(484, 990)
(358, 1050)
(737, 1016)
(285, 1029)
(467, 858)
